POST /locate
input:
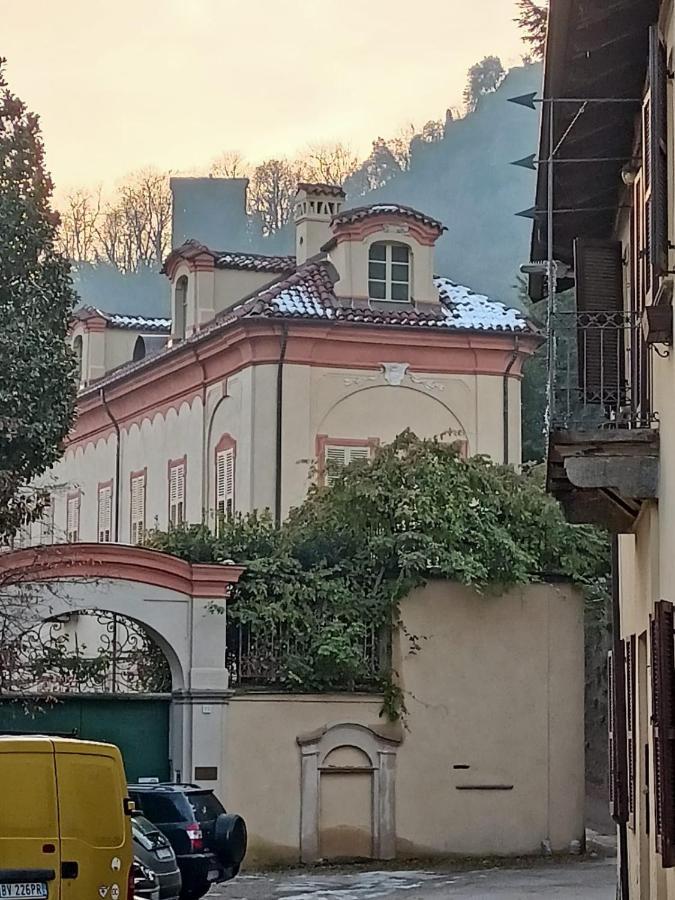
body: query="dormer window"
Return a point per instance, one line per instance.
(389, 271)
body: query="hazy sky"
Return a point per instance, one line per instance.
(123, 84)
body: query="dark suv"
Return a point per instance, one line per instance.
(209, 843)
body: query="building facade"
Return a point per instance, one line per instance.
(611, 461)
(272, 369)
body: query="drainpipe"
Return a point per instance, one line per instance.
(505, 402)
(620, 723)
(205, 448)
(118, 451)
(280, 400)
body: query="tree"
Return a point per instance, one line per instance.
(134, 228)
(377, 169)
(329, 163)
(230, 164)
(532, 20)
(80, 214)
(271, 193)
(37, 388)
(483, 77)
(346, 557)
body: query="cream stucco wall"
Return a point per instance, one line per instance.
(496, 689)
(337, 403)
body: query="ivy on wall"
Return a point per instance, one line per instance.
(345, 558)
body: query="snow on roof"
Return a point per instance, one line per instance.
(393, 209)
(468, 310)
(254, 262)
(138, 323)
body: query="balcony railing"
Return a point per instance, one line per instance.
(598, 371)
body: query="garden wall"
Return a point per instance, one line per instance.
(490, 758)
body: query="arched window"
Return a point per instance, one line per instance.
(389, 271)
(77, 350)
(139, 349)
(180, 309)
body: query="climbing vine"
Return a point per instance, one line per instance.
(342, 562)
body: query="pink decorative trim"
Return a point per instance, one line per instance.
(119, 561)
(323, 440)
(426, 235)
(177, 379)
(226, 442)
(105, 484)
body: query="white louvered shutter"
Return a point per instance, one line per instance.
(73, 519)
(224, 485)
(47, 524)
(176, 494)
(105, 514)
(342, 456)
(137, 508)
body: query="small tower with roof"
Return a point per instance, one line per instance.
(315, 206)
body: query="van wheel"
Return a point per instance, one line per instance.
(195, 893)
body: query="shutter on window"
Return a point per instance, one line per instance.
(629, 649)
(663, 729)
(176, 494)
(656, 147)
(616, 736)
(599, 293)
(72, 517)
(104, 514)
(225, 483)
(137, 508)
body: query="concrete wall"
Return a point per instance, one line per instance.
(496, 689)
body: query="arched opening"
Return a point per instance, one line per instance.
(389, 265)
(95, 675)
(139, 349)
(180, 309)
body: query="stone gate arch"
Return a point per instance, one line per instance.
(180, 605)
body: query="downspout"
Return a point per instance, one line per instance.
(280, 421)
(505, 401)
(118, 464)
(205, 448)
(620, 737)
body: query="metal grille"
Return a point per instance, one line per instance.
(84, 652)
(273, 655)
(599, 371)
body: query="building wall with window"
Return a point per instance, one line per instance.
(276, 365)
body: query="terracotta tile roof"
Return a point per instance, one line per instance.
(392, 209)
(253, 262)
(308, 294)
(333, 190)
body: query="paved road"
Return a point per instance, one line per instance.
(591, 880)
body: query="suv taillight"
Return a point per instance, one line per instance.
(194, 832)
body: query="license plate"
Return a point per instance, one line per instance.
(22, 890)
(164, 853)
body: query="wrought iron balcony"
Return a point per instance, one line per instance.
(599, 372)
(603, 443)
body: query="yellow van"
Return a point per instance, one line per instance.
(65, 830)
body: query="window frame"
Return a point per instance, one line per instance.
(181, 308)
(388, 262)
(74, 498)
(137, 525)
(176, 474)
(225, 449)
(324, 443)
(105, 489)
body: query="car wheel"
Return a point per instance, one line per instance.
(195, 893)
(230, 839)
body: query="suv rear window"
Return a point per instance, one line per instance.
(205, 806)
(162, 808)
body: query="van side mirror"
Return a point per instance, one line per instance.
(129, 807)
